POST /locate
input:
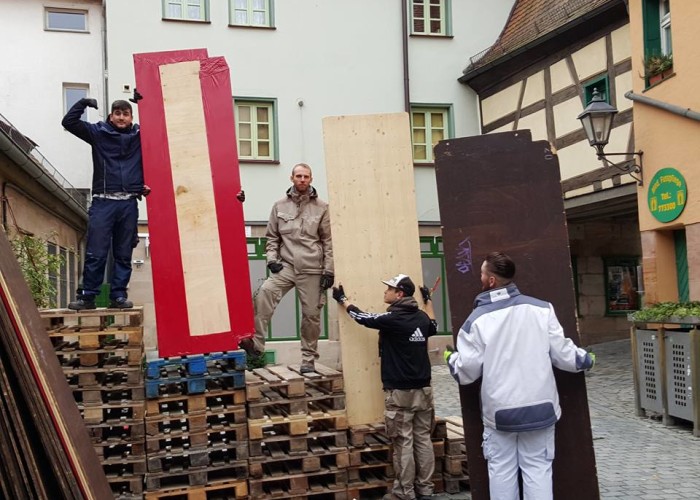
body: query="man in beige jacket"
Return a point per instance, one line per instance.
(299, 254)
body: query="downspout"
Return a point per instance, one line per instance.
(404, 31)
(671, 108)
(105, 74)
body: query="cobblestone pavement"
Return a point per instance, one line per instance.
(636, 457)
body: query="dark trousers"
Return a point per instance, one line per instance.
(111, 223)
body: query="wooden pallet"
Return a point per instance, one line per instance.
(227, 489)
(115, 450)
(277, 462)
(334, 441)
(372, 489)
(178, 383)
(200, 476)
(277, 378)
(295, 425)
(182, 404)
(122, 432)
(369, 434)
(273, 404)
(113, 413)
(177, 438)
(294, 482)
(127, 486)
(124, 467)
(108, 395)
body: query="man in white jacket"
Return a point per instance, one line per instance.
(512, 341)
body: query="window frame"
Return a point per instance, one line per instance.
(269, 14)
(256, 251)
(445, 18)
(204, 11)
(665, 32)
(448, 120)
(594, 83)
(432, 248)
(49, 10)
(67, 104)
(271, 104)
(630, 264)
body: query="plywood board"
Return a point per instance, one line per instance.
(199, 256)
(369, 166)
(53, 456)
(503, 192)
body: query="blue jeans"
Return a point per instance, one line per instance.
(112, 223)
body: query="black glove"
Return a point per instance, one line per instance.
(90, 103)
(137, 97)
(241, 196)
(327, 280)
(339, 294)
(425, 292)
(275, 267)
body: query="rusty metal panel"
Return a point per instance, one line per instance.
(503, 192)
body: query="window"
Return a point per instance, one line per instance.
(433, 263)
(601, 85)
(621, 281)
(428, 126)
(66, 20)
(250, 13)
(64, 281)
(186, 10)
(656, 16)
(286, 321)
(430, 17)
(256, 129)
(72, 93)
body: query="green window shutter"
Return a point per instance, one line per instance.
(652, 27)
(682, 265)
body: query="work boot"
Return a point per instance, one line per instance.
(120, 303)
(82, 303)
(307, 368)
(254, 359)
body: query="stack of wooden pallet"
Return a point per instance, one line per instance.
(101, 353)
(196, 431)
(297, 428)
(455, 473)
(371, 471)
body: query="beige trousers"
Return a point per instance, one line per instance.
(269, 295)
(409, 415)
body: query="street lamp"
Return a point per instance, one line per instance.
(597, 120)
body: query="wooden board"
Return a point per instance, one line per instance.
(369, 167)
(47, 452)
(201, 280)
(503, 192)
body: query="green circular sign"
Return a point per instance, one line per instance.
(667, 195)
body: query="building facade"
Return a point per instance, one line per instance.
(666, 127)
(539, 75)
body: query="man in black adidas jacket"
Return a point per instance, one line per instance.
(408, 398)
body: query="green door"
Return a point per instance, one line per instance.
(681, 265)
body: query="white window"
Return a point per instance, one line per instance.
(66, 20)
(250, 12)
(72, 93)
(430, 17)
(428, 127)
(255, 129)
(665, 21)
(187, 10)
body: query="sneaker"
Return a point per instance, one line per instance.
(120, 303)
(307, 368)
(83, 303)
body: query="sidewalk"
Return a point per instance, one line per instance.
(636, 457)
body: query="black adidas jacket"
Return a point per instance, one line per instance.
(403, 342)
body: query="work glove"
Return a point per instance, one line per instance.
(137, 97)
(275, 267)
(449, 351)
(339, 294)
(240, 196)
(592, 355)
(90, 103)
(425, 292)
(327, 280)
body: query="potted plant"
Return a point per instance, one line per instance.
(657, 67)
(669, 312)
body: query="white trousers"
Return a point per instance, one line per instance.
(532, 452)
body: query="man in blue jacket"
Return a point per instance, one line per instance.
(117, 183)
(512, 341)
(405, 369)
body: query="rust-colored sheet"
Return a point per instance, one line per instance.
(503, 192)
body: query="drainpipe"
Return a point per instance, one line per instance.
(671, 108)
(404, 31)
